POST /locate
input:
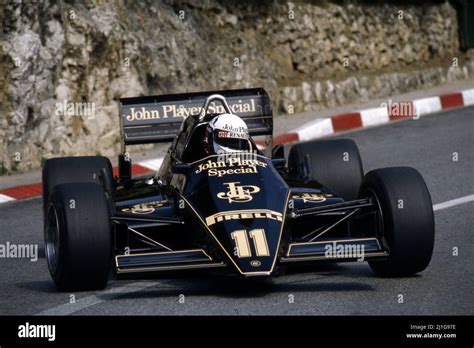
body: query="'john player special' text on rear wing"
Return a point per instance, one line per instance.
(154, 119)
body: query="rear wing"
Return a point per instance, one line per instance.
(155, 119)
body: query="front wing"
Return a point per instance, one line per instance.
(318, 245)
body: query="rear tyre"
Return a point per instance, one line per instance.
(78, 238)
(408, 219)
(64, 170)
(335, 164)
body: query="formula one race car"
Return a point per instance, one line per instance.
(247, 211)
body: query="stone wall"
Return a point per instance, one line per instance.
(308, 55)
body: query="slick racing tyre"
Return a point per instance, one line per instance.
(408, 219)
(78, 238)
(336, 164)
(75, 169)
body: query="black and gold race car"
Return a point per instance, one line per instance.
(249, 213)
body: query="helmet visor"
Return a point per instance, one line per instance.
(231, 140)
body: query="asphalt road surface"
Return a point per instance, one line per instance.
(445, 287)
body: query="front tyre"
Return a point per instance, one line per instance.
(335, 164)
(78, 239)
(63, 170)
(408, 219)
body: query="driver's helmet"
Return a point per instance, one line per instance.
(227, 133)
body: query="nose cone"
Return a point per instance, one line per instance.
(251, 238)
(244, 208)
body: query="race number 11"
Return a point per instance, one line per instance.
(242, 243)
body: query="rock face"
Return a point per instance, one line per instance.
(63, 65)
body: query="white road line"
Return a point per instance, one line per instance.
(453, 202)
(314, 129)
(468, 96)
(153, 164)
(88, 301)
(5, 198)
(375, 116)
(427, 105)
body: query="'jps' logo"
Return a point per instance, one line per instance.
(238, 193)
